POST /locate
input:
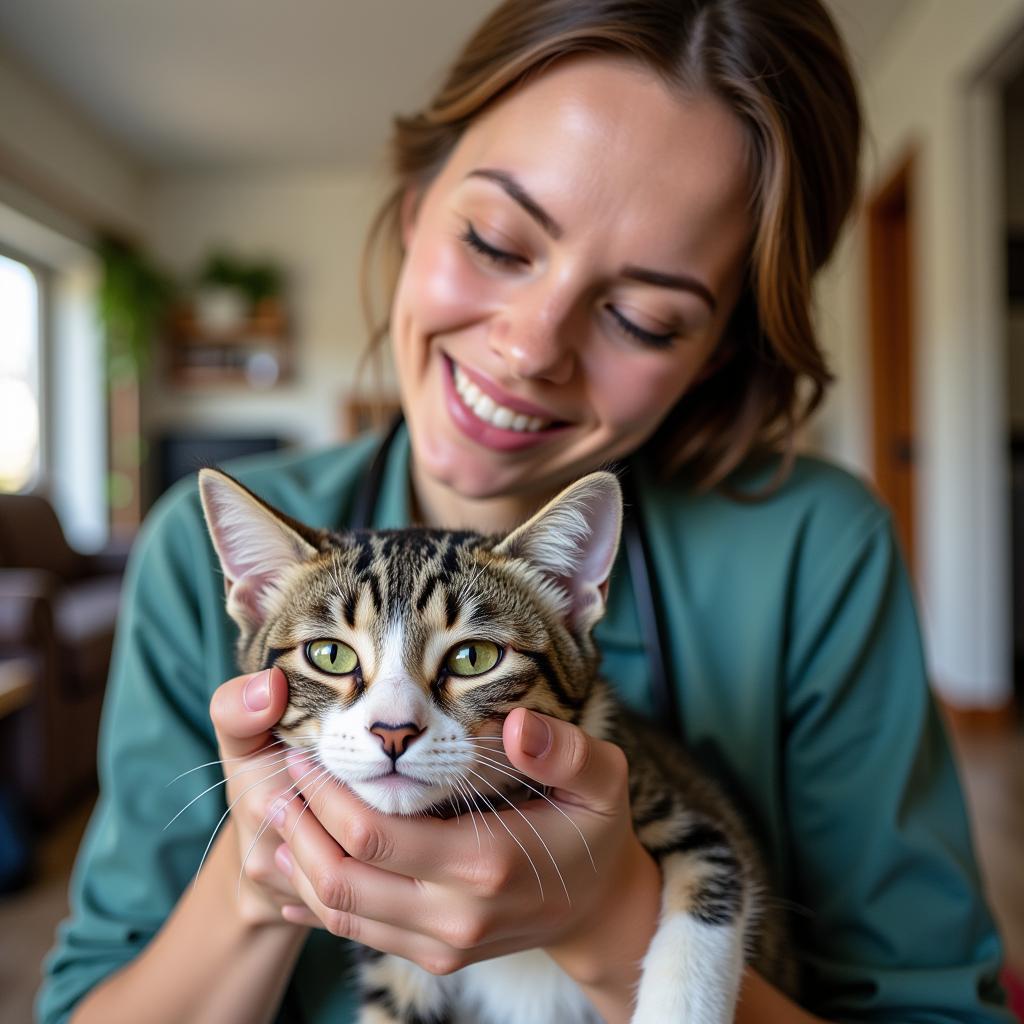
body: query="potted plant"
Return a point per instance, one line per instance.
(232, 291)
(133, 299)
(221, 303)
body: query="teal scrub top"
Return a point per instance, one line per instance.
(795, 654)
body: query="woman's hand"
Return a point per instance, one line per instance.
(244, 711)
(430, 891)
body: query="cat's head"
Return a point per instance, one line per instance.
(404, 650)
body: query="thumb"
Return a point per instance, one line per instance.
(561, 755)
(246, 708)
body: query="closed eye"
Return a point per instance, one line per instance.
(647, 337)
(500, 257)
(473, 241)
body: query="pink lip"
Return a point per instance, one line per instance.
(397, 779)
(486, 434)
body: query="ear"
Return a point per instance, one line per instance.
(572, 542)
(257, 546)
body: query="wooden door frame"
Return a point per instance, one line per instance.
(896, 194)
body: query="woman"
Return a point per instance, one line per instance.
(609, 219)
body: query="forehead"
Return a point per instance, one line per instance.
(594, 135)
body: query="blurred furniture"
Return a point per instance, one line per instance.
(57, 613)
(179, 455)
(256, 353)
(17, 684)
(361, 412)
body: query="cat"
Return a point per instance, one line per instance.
(394, 639)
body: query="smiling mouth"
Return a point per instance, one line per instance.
(486, 409)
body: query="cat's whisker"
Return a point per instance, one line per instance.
(455, 782)
(515, 838)
(319, 784)
(267, 823)
(470, 789)
(207, 764)
(530, 824)
(337, 782)
(221, 782)
(479, 573)
(220, 821)
(270, 749)
(497, 766)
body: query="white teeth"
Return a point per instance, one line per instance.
(503, 418)
(488, 410)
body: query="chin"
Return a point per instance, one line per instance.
(397, 795)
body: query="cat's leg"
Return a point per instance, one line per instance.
(397, 991)
(694, 965)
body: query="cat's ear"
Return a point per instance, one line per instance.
(572, 541)
(257, 546)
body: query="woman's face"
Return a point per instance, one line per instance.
(567, 277)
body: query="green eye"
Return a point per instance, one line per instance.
(332, 656)
(473, 658)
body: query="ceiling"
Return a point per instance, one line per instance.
(201, 84)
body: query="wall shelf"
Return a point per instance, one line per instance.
(256, 353)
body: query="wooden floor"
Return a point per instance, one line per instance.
(28, 918)
(992, 771)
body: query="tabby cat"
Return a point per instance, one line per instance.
(397, 638)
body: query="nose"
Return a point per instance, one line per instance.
(533, 336)
(395, 739)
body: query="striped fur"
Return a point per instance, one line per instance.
(402, 599)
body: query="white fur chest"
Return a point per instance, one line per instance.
(522, 988)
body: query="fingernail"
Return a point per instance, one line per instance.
(284, 859)
(277, 810)
(536, 735)
(298, 765)
(256, 695)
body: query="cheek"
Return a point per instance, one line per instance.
(440, 291)
(637, 397)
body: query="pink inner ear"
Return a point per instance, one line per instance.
(246, 596)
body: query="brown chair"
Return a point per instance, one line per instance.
(57, 613)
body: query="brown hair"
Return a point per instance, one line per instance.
(782, 69)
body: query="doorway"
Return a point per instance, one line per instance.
(890, 319)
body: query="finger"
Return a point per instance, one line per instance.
(559, 754)
(428, 849)
(342, 883)
(264, 872)
(246, 708)
(434, 954)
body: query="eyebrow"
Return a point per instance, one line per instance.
(658, 278)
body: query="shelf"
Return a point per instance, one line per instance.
(258, 329)
(256, 354)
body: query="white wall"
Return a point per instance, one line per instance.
(312, 223)
(918, 94)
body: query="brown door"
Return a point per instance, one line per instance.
(890, 302)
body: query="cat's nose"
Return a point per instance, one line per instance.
(395, 738)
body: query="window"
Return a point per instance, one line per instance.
(20, 413)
